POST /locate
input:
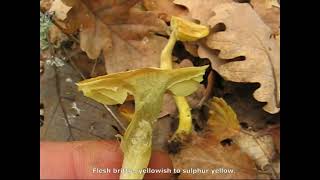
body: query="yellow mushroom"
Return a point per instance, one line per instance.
(148, 86)
(181, 30)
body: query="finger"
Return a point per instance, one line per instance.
(90, 160)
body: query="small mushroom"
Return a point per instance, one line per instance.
(181, 30)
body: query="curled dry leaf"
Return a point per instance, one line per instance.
(259, 148)
(115, 27)
(164, 8)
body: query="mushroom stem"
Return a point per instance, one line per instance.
(185, 120)
(182, 30)
(166, 53)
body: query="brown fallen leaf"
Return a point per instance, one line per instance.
(45, 4)
(139, 53)
(115, 27)
(162, 133)
(201, 10)
(269, 13)
(164, 8)
(65, 117)
(251, 41)
(55, 36)
(192, 48)
(60, 9)
(87, 67)
(275, 133)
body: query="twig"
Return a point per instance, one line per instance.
(75, 67)
(52, 52)
(115, 117)
(94, 67)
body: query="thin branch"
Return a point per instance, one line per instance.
(94, 67)
(61, 104)
(74, 66)
(115, 117)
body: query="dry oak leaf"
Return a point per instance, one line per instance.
(201, 10)
(123, 32)
(247, 36)
(207, 153)
(164, 8)
(269, 13)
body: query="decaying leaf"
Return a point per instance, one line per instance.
(223, 120)
(115, 27)
(164, 8)
(68, 115)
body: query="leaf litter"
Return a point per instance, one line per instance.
(235, 112)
